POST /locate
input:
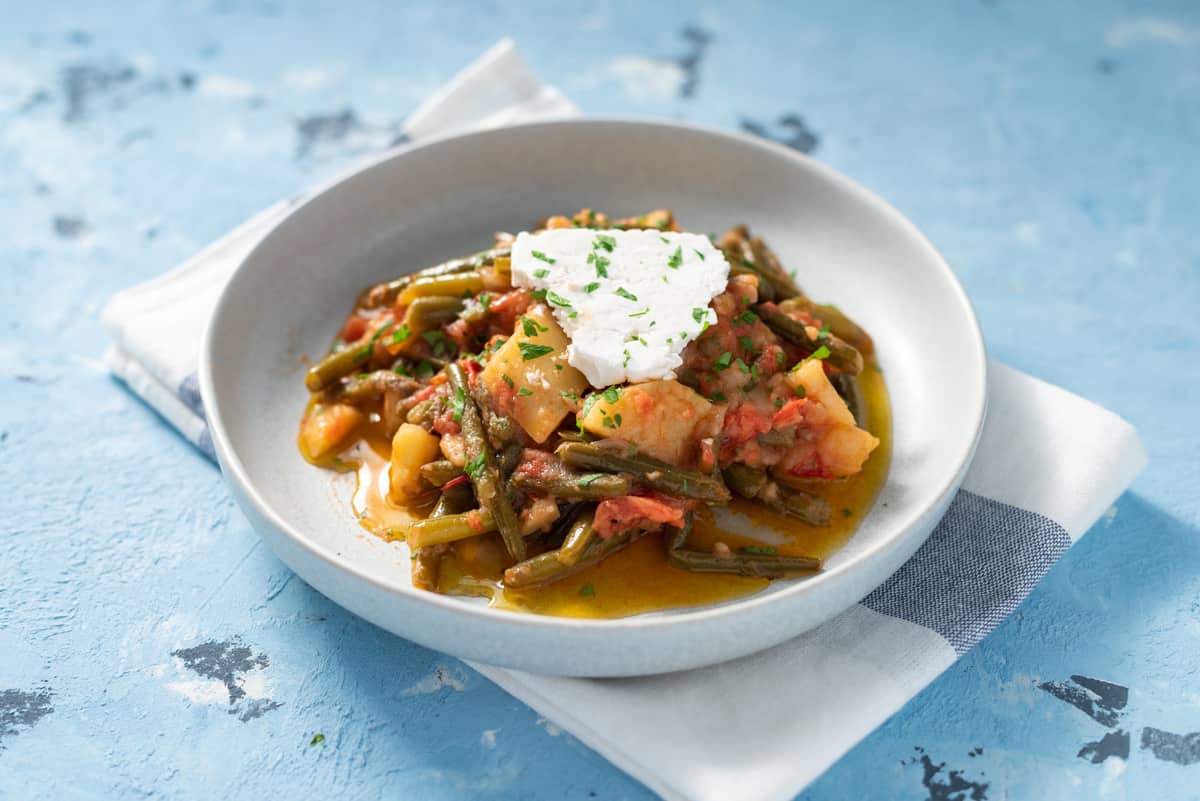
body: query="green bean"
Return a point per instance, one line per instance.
(756, 485)
(579, 537)
(427, 560)
(483, 470)
(666, 478)
(842, 354)
(371, 386)
(757, 565)
(427, 313)
(745, 480)
(767, 264)
(777, 437)
(449, 528)
(341, 363)
(575, 486)
(439, 472)
(385, 294)
(421, 414)
(455, 285)
(841, 325)
(546, 567)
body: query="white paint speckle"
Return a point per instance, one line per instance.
(1110, 786)
(1027, 233)
(225, 86)
(1110, 515)
(488, 738)
(201, 691)
(647, 79)
(1155, 30)
(307, 79)
(443, 677)
(552, 729)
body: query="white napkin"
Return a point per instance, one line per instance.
(760, 728)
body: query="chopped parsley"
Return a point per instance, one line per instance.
(625, 293)
(601, 264)
(718, 397)
(558, 300)
(532, 327)
(530, 351)
(507, 380)
(538, 294)
(799, 390)
(605, 241)
(523, 392)
(611, 394)
(400, 334)
(820, 353)
(587, 591)
(746, 342)
(485, 300)
(779, 403)
(589, 479)
(642, 313)
(723, 361)
(541, 273)
(625, 361)
(700, 315)
(425, 369)
(745, 318)
(664, 240)
(676, 258)
(475, 467)
(698, 253)
(823, 331)
(608, 423)
(537, 254)
(741, 365)
(458, 403)
(592, 287)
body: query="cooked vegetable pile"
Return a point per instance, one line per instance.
(495, 433)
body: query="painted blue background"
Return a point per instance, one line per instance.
(1051, 150)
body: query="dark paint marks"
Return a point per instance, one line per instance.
(698, 41)
(789, 129)
(187, 81)
(21, 709)
(317, 129)
(976, 751)
(1106, 66)
(82, 83)
(1182, 749)
(223, 661)
(1099, 700)
(69, 227)
(1112, 744)
(39, 98)
(228, 662)
(951, 786)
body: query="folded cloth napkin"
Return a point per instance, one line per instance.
(1048, 465)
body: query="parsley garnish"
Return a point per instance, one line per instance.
(542, 273)
(425, 369)
(558, 300)
(605, 241)
(530, 351)
(741, 365)
(718, 397)
(458, 403)
(746, 342)
(400, 334)
(799, 390)
(485, 300)
(820, 353)
(537, 254)
(587, 591)
(523, 392)
(745, 318)
(723, 361)
(475, 467)
(589, 479)
(779, 403)
(698, 253)
(539, 294)
(625, 362)
(608, 423)
(531, 327)
(625, 293)
(611, 394)
(823, 331)
(592, 287)
(665, 240)
(642, 313)
(676, 258)
(507, 380)
(700, 315)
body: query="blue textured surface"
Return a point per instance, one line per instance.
(150, 647)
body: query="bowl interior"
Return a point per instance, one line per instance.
(446, 199)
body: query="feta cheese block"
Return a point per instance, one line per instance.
(629, 301)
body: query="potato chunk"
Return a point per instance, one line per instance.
(530, 376)
(659, 417)
(326, 427)
(412, 446)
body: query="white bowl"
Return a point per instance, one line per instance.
(445, 198)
